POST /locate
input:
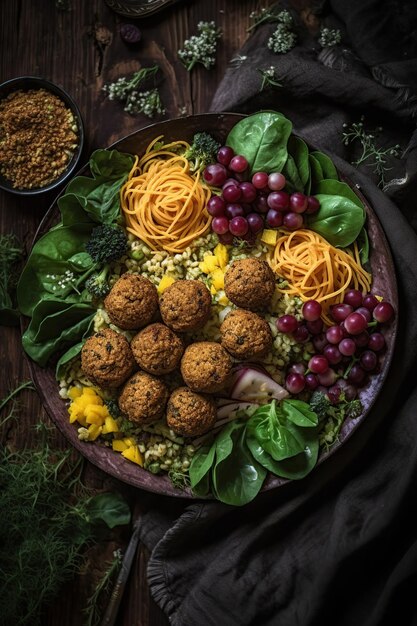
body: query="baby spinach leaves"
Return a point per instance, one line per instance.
(262, 138)
(51, 286)
(281, 438)
(266, 141)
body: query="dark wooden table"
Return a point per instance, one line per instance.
(79, 47)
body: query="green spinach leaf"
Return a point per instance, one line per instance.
(299, 413)
(110, 508)
(294, 468)
(316, 172)
(292, 176)
(328, 169)
(56, 324)
(339, 220)
(363, 246)
(200, 467)
(338, 188)
(66, 358)
(262, 138)
(298, 150)
(274, 432)
(237, 477)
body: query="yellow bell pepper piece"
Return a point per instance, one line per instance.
(223, 300)
(217, 279)
(94, 431)
(119, 445)
(110, 425)
(166, 281)
(269, 237)
(92, 417)
(222, 255)
(211, 262)
(133, 455)
(213, 290)
(74, 392)
(129, 441)
(203, 267)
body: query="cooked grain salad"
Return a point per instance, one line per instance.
(159, 449)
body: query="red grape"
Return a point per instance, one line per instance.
(248, 192)
(298, 202)
(315, 327)
(313, 205)
(260, 180)
(216, 206)
(215, 174)
(297, 368)
(333, 393)
(339, 312)
(318, 364)
(262, 204)
(295, 383)
(255, 222)
(274, 218)
(311, 381)
(383, 312)
(368, 360)
(292, 221)
(226, 238)
(238, 226)
(225, 155)
(328, 378)
(311, 310)
(301, 334)
(276, 181)
(332, 354)
(365, 312)
(233, 210)
(355, 323)
(353, 297)
(238, 163)
(362, 339)
(220, 225)
(319, 342)
(370, 301)
(278, 200)
(287, 324)
(376, 342)
(230, 181)
(347, 347)
(334, 334)
(357, 374)
(231, 193)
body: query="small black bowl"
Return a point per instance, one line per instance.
(26, 83)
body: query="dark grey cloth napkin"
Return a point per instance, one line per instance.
(340, 546)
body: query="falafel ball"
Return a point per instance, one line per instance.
(185, 305)
(143, 398)
(250, 284)
(246, 335)
(132, 301)
(206, 366)
(157, 349)
(190, 414)
(106, 359)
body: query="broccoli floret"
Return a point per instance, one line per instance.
(353, 408)
(113, 408)
(107, 243)
(202, 151)
(320, 403)
(97, 285)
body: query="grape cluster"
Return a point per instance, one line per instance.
(247, 204)
(346, 352)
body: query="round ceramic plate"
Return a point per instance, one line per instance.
(384, 282)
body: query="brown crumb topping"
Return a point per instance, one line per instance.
(38, 136)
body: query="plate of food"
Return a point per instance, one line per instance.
(210, 307)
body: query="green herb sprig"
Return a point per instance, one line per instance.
(201, 48)
(92, 610)
(372, 155)
(10, 254)
(137, 100)
(269, 78)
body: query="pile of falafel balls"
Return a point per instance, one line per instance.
(137, 371)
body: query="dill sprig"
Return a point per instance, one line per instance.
(372, 155)
(92, 610)
(269, 16)
(269, 78)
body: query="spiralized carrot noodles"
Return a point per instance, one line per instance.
(315, 270)
(163, 204)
